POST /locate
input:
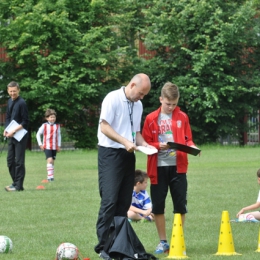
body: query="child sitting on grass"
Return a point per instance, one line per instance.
(141, 206)
(254, 215)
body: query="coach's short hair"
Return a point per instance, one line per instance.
(13, 84)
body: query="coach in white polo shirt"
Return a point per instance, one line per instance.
(118, 136)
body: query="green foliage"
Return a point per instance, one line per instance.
(84, 133)
(1, 133)
(211, 50)
(66, 56)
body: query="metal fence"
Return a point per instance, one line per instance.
(251, 137)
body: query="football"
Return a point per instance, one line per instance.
(67, 251)
(6, 244)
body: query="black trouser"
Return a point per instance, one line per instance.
(15, 161)
(116, 169)
(168, 178)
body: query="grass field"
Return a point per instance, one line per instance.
(37, 221)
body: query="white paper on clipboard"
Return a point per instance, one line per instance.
(19, 134)
(147, 150)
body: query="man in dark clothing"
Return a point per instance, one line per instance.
(16, 110)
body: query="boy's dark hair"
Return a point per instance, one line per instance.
(258, 173)
(140, 176)
(170, 91)
(50, 112)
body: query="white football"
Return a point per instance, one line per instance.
(6, 244)
(67, 251)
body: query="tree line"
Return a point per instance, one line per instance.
(68, 55)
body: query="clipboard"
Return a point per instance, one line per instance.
(184, 148)
(19, 134)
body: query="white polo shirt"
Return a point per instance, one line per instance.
(116, 109)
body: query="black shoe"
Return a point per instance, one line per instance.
(19, 188)
(104, 255)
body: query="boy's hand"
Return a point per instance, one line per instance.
(147, 212)
(194, 146)
(130, 146)
(240, 212)
(164, 146)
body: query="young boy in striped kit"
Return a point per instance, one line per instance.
(141, 207)
(51, 141)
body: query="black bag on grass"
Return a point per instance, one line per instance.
(123, 243)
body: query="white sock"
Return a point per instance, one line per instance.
(249, 216)
(50, 171)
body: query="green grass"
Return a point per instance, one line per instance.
(37, 221)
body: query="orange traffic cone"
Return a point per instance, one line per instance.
(177, 247)
(258, 249)
(226, 244)
(40, 187)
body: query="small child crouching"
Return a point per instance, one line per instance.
(141, 207)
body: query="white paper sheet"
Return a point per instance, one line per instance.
(147, 150)
(19, 134)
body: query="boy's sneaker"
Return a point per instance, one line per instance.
(51, 179)
(162, 248)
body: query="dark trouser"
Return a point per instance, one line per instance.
(116, 169)
(15, 161)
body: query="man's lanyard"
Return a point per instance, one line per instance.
(130, 106)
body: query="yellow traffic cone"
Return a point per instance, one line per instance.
(258, 249)
(177, 247)
(226, 244)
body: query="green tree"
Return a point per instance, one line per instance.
(210, 48)
(66, 55)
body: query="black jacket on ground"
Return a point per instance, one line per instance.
(123, 243)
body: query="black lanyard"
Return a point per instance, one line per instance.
(130, 106)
